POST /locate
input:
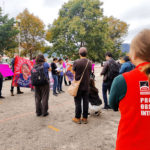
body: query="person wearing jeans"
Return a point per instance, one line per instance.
(54, 75)
(107, 79)
(60, 76)
(106, 87)
(55, 78)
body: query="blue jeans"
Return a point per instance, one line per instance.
(55, 77)
(106, 87)
(60, 81)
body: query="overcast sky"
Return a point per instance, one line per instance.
(135, 12)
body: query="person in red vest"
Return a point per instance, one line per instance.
(130, 92)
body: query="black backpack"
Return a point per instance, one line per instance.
(113, 70)
(38, 76)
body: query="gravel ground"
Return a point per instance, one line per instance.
(20, 129)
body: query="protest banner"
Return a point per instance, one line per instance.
(22, 72)
(5, 70)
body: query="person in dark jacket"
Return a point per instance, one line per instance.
(110, 71)
(42, 91)
(94, 99)
(126, 66)
(1, 81)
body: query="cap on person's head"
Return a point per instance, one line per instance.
(83, 52)
(126, 58)
(109, 54)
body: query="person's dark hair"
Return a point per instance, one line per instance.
(60, 59)
(40, 59)
(34, 57)
(109, 54)
(126, 58)
(54, 59)
(83, 51)
(66, 59)
(92, 85)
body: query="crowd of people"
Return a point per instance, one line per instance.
(128, 86)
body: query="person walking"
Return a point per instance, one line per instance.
(1, 80)
(55, 75)
(60, 75)
(126, 66)
(42, 91)
(130, 93)
(12, 87)
(110, 71)
(83, 91)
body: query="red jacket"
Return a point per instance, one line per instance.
(134, 126)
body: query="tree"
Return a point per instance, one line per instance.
(81, 23)
(117, 30)
(8, 33)
(32, 33)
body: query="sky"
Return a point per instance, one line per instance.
(136, 13)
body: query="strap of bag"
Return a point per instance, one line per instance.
(84, 70)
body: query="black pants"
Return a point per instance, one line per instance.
(60, 81)
(41, 98)
(81, 95)
(65, 81)
(106, 87)
(1, 85)
(12, 88)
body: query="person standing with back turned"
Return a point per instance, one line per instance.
(130, 93)
(42, 91)
(83, 91)
(110, 71)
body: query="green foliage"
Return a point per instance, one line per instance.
(32, 33)
(8, 33)
(82, 23)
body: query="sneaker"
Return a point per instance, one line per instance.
(105, 107)
(62, 91)
(76, 120)
(108, 107)
(55, 94)
(19, 92)
(2, 97)
(84, 120)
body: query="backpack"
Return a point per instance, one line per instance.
(38, 76)
(113, 70)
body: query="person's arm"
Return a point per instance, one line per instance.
(122, 69)
(117, 92)
(105, 69)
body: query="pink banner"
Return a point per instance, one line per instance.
(5, 70)
(22, 72)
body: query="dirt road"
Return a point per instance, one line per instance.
(20, 129)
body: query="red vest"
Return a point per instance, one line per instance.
(134, 126)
